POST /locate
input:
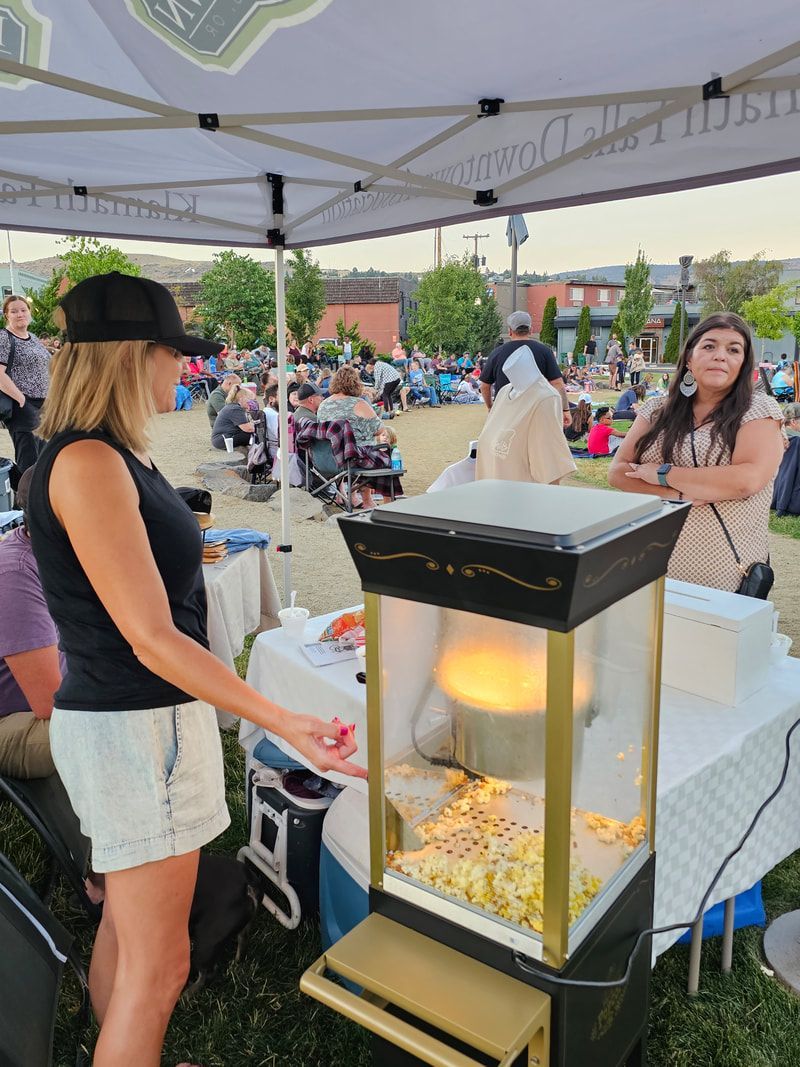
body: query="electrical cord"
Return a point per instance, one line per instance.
(520, 959)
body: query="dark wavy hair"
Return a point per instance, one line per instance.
(675, 418)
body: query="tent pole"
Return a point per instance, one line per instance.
(283, 414)
(514, 248)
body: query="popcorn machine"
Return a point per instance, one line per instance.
(513, 674)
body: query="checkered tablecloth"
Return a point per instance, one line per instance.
(716, 765)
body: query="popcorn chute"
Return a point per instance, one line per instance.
(513, 672)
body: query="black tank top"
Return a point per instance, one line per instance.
(103, 674)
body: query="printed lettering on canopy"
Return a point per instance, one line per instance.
(221, 34)
(24, 38)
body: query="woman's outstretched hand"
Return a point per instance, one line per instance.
(328, 745)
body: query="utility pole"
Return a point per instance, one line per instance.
(475, 237)
(12, 270)
(685, 263)
(437, 247)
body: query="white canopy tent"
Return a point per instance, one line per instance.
(294, 123)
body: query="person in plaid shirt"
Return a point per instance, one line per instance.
(387, 382)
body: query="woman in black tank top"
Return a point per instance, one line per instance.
(120, 556)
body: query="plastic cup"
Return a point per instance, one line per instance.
(293, 621)
(228, 443)
(779, 648)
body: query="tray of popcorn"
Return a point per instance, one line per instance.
(481, 840)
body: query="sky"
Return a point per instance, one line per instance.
(743, 217)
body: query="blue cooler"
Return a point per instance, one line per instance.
(748, 911)
(344, 866)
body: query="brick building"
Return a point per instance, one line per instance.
(380, 306)
(187, 297)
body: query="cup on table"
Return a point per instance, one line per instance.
(293, 621)
(779, 648)
(228, 443)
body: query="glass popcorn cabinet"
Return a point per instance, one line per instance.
(513, 666)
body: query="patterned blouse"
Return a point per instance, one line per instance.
(702, 554)
(339, 409)
(31, 370)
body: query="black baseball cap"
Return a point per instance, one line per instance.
(308, 389)
(119, 307)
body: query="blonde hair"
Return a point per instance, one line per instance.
(389, 435)
(11, 299)
(235, 393)
(101, 385)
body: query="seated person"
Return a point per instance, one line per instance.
(786, 492)
(216, 402)
(464, 362)
(309, 397)
(629, 401)
(183, 398)
(247, 398)
(251, 362)
(419, 390)
(346, 402)
(781, 380)
(233, 420)
(598, 443)
(324, 379)
(272, 419)
(581, 419)
(468, 392)
(30, 668)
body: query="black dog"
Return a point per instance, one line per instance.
(225, 904)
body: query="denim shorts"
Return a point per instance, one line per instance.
(145, 784)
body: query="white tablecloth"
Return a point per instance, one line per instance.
(242, 598)
(716, 766)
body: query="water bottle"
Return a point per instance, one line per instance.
(397, 459)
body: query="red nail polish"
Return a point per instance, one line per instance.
(352, 726)
(344, 731)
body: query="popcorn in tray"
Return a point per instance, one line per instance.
(346, 627)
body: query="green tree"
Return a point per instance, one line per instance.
(305, 297)
(725, 286)
(583, 332)
(86, 256)
(447, 316)
(486, 326)
(43, 304)
(548, 334)
(795, 327)
(348, 333)
(768, 314)
(672, 347)
(636, 305)
(237, 298)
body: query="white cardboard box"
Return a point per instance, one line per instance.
(716, 644)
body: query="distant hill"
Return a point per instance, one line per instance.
(660, 273)
(160, 268)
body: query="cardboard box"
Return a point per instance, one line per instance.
(716, 644)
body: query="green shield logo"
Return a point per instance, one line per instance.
(24, 38)
(220, 34)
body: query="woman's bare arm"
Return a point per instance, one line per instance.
(8, 387)
(623, 458)
(96, 501)
(755, 459)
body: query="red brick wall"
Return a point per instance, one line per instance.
(378, 323)
(539, 294)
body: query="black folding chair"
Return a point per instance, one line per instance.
(35, 950)
(337, 482)
(199, 389)
(45, 805)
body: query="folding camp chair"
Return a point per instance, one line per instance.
(35, 949)
(45, 805)
(199, 389)
(447, 388)
(337, 482)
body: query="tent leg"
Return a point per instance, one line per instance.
(283, 413)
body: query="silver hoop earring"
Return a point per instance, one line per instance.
(688, 386)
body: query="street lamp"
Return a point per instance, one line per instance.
(685, 262)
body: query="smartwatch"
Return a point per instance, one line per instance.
(662, 473)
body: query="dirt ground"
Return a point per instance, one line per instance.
(429, 440)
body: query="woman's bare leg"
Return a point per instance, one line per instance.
(104, 965)
(150, 911)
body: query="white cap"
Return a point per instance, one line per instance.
(518, 319)
(586, 396)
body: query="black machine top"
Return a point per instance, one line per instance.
(533, 514)
(543, 555)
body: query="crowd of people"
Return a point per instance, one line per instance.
(114, 579)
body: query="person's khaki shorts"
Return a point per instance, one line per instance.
(25, 746)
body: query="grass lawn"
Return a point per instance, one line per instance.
(254, 1014)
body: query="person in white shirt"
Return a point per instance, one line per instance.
(523, 439)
